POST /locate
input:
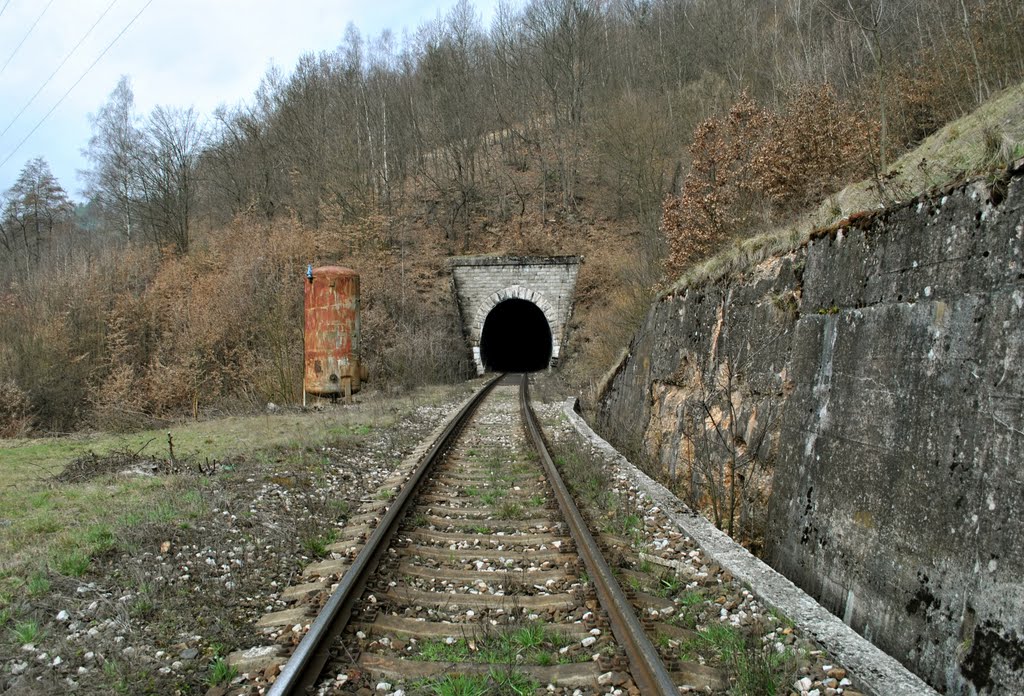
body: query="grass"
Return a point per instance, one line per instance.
(38, 584)
(528, 644)
(65, 528)
(26, 632)
(491, 497)
(495, 683)
(761, 671)
(511, 511)
(716, 643)
(221, 672)
(316, 543)
(669, 585)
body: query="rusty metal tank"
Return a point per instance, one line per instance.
(331, 336)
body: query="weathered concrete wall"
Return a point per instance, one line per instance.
(481, 282)
(890, 355)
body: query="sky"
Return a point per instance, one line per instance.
(201, 53)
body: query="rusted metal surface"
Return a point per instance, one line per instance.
(332, 332)
(645, 665)
(304, 666)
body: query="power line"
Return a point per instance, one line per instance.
(4, 7)
(65, 95)
(70, 53)
(25, 37)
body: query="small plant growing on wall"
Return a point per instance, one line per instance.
(726, 451)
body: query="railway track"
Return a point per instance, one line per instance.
(475, 574)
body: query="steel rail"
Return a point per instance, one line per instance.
(303, 668)
(647, 669)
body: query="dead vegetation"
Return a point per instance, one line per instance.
(562, 128)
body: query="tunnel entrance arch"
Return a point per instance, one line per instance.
(482, 283)
(516, 337)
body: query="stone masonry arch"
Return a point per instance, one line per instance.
(514, 292)
(481, 283)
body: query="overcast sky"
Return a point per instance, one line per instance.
(200, 53)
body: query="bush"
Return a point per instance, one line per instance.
(753, 165)
(15, 418)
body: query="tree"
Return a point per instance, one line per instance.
(114, 150)
(35, 208)
(875, 20)
(173, 142)
(453, 100)
(562, 37)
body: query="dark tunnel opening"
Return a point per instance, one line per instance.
(515, 338)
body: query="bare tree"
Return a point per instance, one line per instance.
(173, 140)
(875, 20)
(562, 37)
(453, 99)
(114, 152)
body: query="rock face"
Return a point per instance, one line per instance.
(882, 365)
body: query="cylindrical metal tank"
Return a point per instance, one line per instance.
(332, 332)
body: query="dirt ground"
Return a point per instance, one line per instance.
(167, 597)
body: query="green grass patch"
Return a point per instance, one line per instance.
(533, 644)
(490, 498)
(316, 543)
(26, 632)
(760, 671)
(511, 511)
(73, 563)
(716, 643)
(669, 585)
(221, 672)
(38, 584)
(495, 683)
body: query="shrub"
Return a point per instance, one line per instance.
(15, 418)
(753, 165)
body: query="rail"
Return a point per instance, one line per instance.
(304, 666)
(646, 667)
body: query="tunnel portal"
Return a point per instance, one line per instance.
(516, 338)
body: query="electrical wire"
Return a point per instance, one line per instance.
(70, 53)
(65, 95)
(25, 37)
(4, 7)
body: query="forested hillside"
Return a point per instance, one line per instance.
(643, 134)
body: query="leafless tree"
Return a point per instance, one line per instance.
(113, 151)
(167, 166)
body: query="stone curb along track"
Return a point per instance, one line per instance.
(878, 673)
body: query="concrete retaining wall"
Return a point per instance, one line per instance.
(886, 358)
